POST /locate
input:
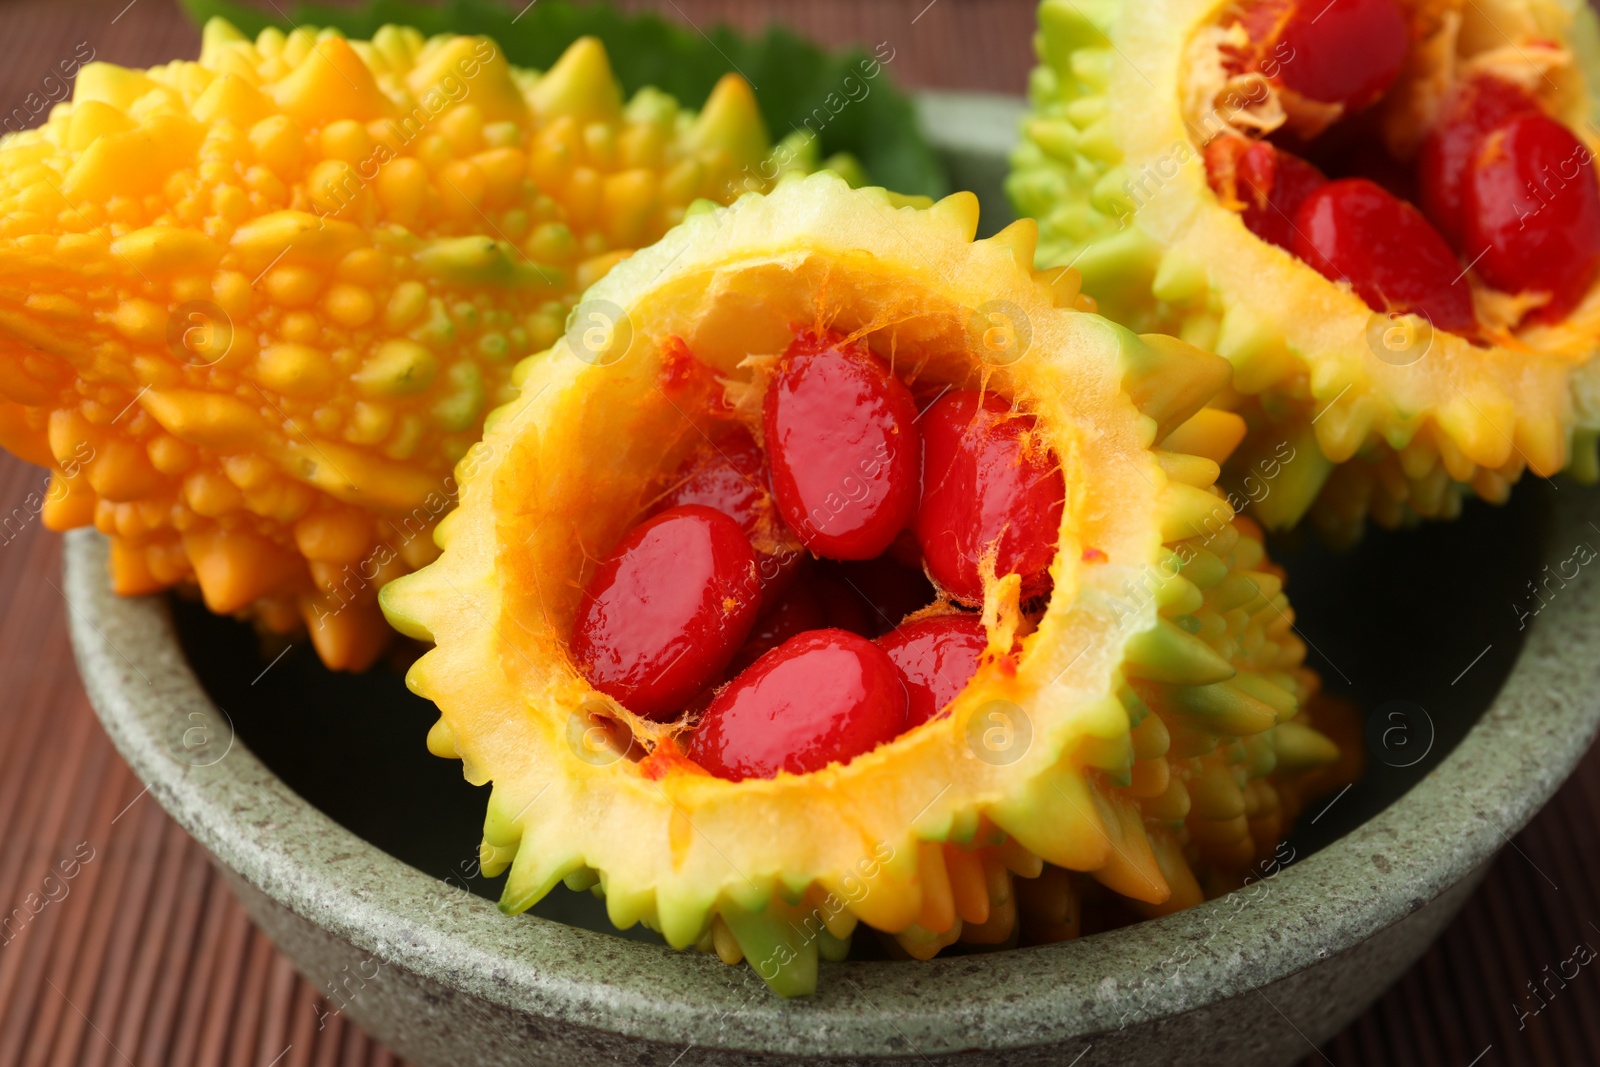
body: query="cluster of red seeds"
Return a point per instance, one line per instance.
(799, 658)
(1504, 190)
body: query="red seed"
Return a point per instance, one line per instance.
(1477, 106)
(1343, 52)
(793, 614)
(820, 698)
(1352, 230)
(1532, 207)
(936, 657)
(666, 610)
(1269, 182)
(1279, 191)
(842, 440)
(728, 474)
(989, 485)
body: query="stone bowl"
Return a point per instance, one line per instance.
(354, 850)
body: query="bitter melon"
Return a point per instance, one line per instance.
(1172, 154)
(254, 307)
(1136, 709)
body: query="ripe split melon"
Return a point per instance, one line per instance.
(1151, 731)
(1357, 412)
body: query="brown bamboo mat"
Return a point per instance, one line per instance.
(138, 955)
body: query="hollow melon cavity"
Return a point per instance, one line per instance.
(1379, 414)
(253, 308)
(1134, 736)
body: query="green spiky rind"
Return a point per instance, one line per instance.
(1128, 204)
(1068, 149)
(1233, 734)
(675, 853)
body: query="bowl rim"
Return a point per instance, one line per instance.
(1526, 743)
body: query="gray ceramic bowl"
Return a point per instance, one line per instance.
(293, 778)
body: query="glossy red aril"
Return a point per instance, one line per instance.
(1269, 182)
(990, 485)
(666, 610)
(1352, 230)
(1532, 206)
(841, 437)
(823, 697)
(1477, 106)
(1348, 52)
(793, 614)
(729, 474)
(936, 657)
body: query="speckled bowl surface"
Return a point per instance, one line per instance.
(353, 849)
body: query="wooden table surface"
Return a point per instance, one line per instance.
(132, 951)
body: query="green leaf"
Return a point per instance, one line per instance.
(843, 97)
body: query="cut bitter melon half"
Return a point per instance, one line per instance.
(1141, 720)
(1166, 157)
(253, 308)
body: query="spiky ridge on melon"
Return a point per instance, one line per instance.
(1110, 167)
(253, 308)
(1158, 689)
